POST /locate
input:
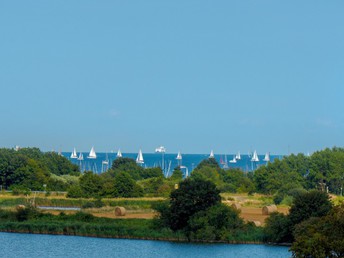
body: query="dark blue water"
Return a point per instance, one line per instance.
(29, 245)
(168, 161)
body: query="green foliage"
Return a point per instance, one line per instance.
(126, 165)
(74, 191)
(31, 168)
(320, 237)
(206, 173)
(151, 173)
(235, 180)
(216, 223)
(126, 186)
(98, 203)
(210, 162)
(90, 184)
(311, 204)
(192, 196)
(278, 228)
(177, 174)
(157, 186)
(29, 212)
(299, 171)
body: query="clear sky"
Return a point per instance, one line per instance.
(190, 75)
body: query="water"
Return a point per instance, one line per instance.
(168, 161)
(29, 245)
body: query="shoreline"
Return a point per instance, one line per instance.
(144, 238)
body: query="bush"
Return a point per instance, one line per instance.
(278, 229)
(26, 213)
(216, 223)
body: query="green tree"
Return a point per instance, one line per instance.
(310, 204)
(320, 237)
(278, 228)
(91, 184)
(192, 196)
(210, 162)
(215, 223)
(126, 186)
(126, 165)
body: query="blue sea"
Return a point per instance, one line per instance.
(168, 161)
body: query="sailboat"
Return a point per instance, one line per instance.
(92, 154)
(211, 156)
(74, 155)
(81, 156)
(221, 161)
(255, 157)
(119, 153)
(106, 161)
(225, 164)
(179, 156)
(234, 160)
(139, 159)
(238, 156)
(267, 157)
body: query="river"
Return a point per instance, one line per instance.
(35, 245)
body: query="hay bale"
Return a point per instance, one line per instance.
(20, 207)
(236, 206)
(256, 223)
(269, 209)
(120, 211)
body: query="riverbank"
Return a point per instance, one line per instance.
(84, 224)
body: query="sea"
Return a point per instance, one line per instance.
(37, 245)
(168, 161)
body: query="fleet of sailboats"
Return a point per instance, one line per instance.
(253, 157)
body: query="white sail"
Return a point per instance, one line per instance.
(74, 155)
(238, 156)
(139, 158)
(267, 157)
(81, 156)
(92, 154)
(211, 156)
(179, 156)
(255, 157)
(233, 160)
(119, 153)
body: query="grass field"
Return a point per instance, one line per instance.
(140, 208)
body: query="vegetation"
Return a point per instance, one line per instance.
(280, 228)
(195, 209)
(320, 237)
(29, 168)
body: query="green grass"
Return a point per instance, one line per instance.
(132, 204)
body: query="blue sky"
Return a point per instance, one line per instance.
(189, 75)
